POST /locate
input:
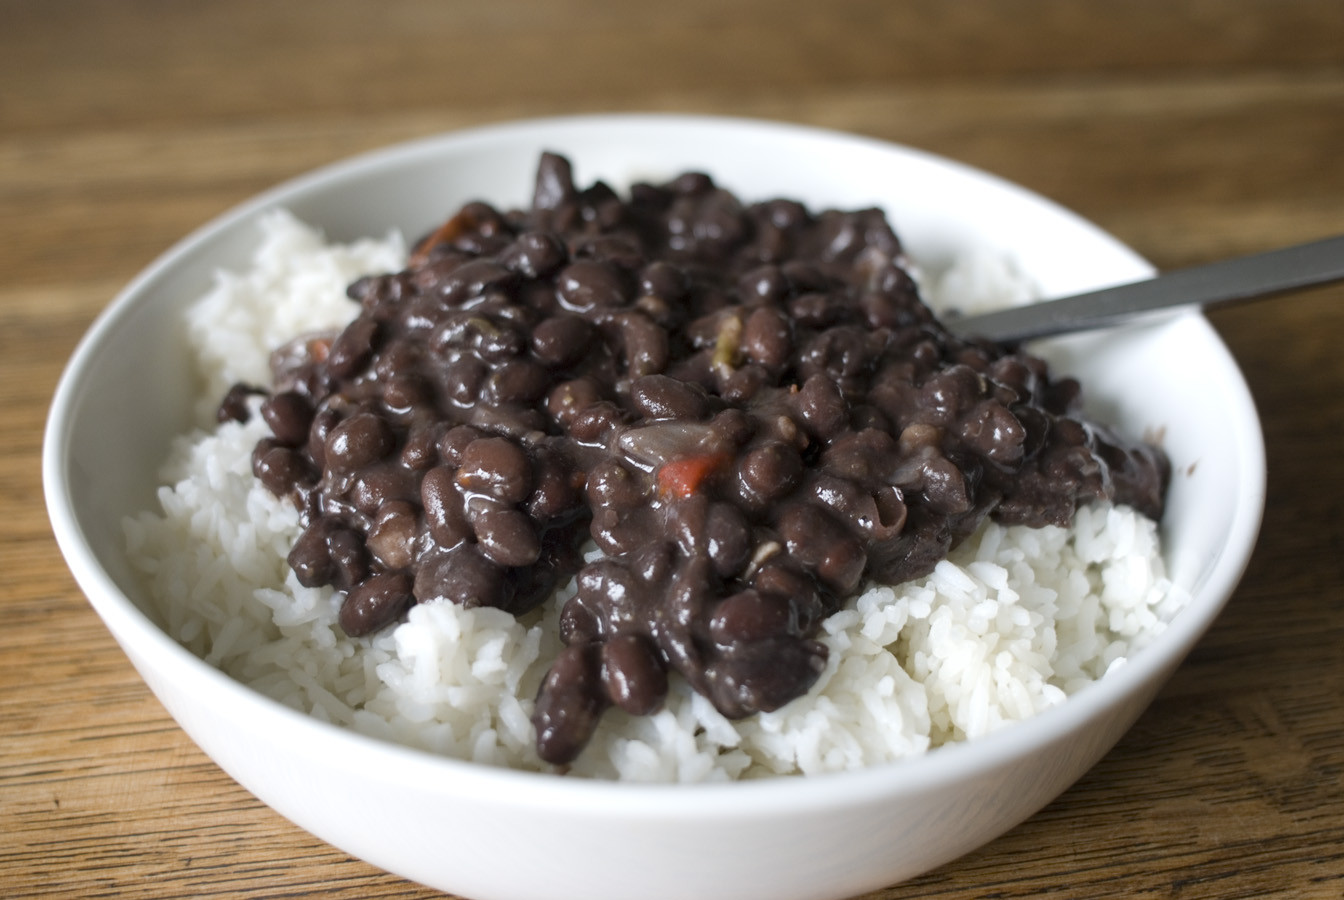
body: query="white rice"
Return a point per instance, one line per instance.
(1015, 621)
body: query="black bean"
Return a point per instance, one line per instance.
(778, 577)
(585, 284)
(750, 616)
(534, 254)
(819, 542)
(362, 439)
(595, 423)
(633, 675)
(497, 467)
(461, 575)
(561, 340)
(569, 704)
(353, 348)
(821, 406)
(664, 281)
(506, 535)
(421, 451)
(455, 441)
(993, 432)
(767, 338)
(569, 399)
(375, 485)
(611, 484)
(863, 455)
(610, 591)
(946, 394)
(234, 408)
(349, 559)
(763, 676)
(279, 468)
(554, 184)
(310, 557)
(728, 539)
(770, 471)
(393, 533)
(444, 514)
(643, 343)
(743, 383)
(324, 420)
(661, 397)
(556, 489)
(374, 603)
(765, 283)
(472, 279)
(404, 391)
(518, 381)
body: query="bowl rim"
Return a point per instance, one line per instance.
(636, 800)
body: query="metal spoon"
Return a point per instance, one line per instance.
(1245, 278)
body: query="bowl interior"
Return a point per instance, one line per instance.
(124, 395)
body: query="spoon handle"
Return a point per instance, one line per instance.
(1244, 278)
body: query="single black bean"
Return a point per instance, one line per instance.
(310, 558)
(994, 433)
(821, 543)
(769, 471)
(421, 451)
(234, 408)
(393, 534)
(569, 399)
(611, 592)
(821, 406)
(461, 575)
(505, 535)
(750, 616)
(562, 340)
(518, 381)
(377, 484)
(763, 676)
(661, 397)
(375, 602)
(324, 420)
(445, 517)
(643, 343)
(349, 559)
(569, 704)
(728, 539)
(352, 348)
(611, 484)
(455, 441)
(534, 254)
(404, 391)
(472, 279)
(279, 468)
(766, 283)
(594, 424)
(497, 467)
(358, 441)
(633, 674)
(663, 280)
(767, 338)
(586, 284)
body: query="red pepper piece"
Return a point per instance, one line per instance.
(683, 477)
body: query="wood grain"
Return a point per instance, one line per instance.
(1192, 129)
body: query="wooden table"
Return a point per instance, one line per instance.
(1192, 130)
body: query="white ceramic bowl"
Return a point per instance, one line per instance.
(487, 833)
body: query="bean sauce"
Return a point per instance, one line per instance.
(746, 406)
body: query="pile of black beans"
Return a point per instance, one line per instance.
(747, 408)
